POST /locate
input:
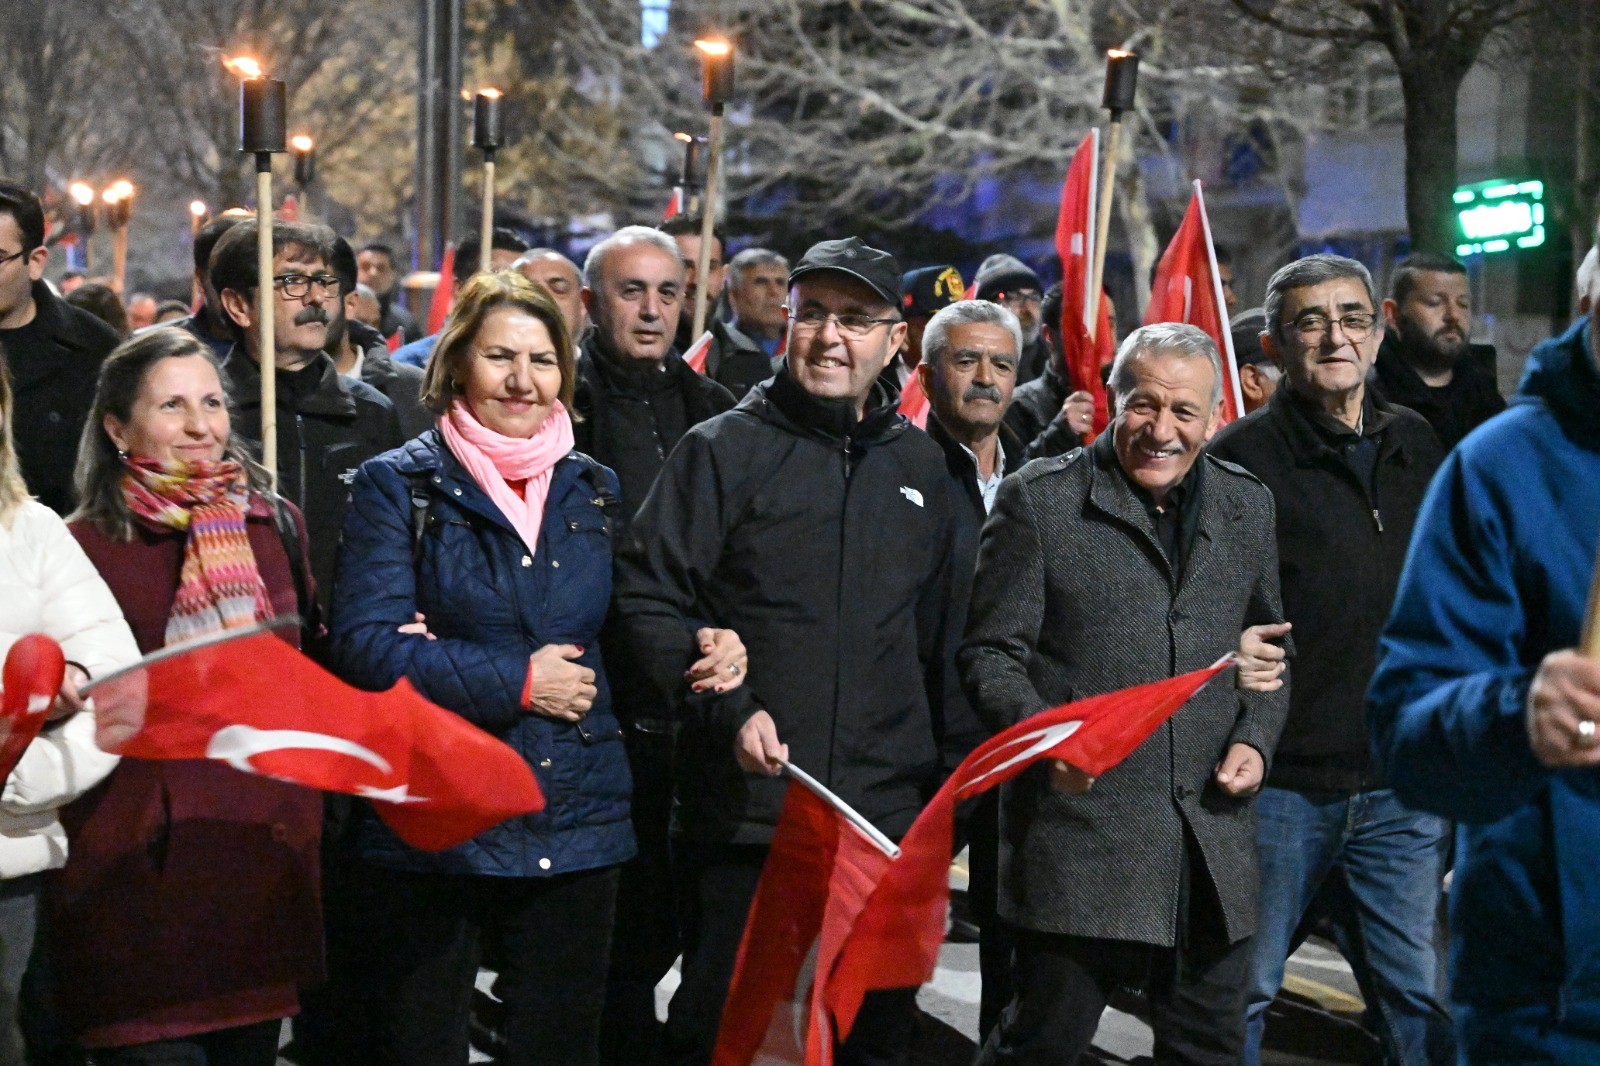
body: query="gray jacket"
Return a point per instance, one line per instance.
(1073, 597)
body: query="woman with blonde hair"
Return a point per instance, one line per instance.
(47, 585)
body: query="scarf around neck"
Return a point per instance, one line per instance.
(219, 585)
(494, 460)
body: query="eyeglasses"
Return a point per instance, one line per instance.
(853, 326)
(1020, 297)
(1357, 326)
(4, 259)
(297, 286)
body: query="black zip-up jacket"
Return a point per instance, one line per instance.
(1035, 416)
(827, 544)
(735, 361)
(1453, 410)
(631, 413)
(54, 362)
(327, 427)
(1342, 540)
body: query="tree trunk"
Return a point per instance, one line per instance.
(1430, 93)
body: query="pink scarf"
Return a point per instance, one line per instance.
(493, 460)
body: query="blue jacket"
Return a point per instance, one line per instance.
(490, 606)
(417, 352)
(1496, 579)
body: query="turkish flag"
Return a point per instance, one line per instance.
(1188, 288)
(696, 355)
(444, 293)
(251, 700)
(393, 341)
(1082, 355)
(820, 871)
(914, 402)
(35, 667)
(674, 205)
(887, 912)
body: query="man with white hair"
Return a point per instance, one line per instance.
(1134, 559)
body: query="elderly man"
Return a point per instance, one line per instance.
(1348, 472)
(1136, 558)
(758, 281)
(1484, 709)
(817, 522)
(968, 370)
(558, 276)
(1427, 361)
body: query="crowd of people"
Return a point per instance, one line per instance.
(657, 580)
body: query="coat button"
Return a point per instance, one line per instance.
(456, 491)
(544, 764)
(280, 833)
(555, 562)
(544, 864)
(527, 560)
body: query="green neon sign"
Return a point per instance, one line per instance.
(1499, 215)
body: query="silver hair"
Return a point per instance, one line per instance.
(622, 238)
(364, 290)
(1589, 275)
(1312, 270)
(1164, 338)
(753, 257)
(936, 335)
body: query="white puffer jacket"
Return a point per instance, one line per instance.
(47, 585)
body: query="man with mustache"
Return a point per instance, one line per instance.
(1427, 362)
(328, 425)
(1136, 558)
(1348, 472)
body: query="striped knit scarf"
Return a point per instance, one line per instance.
(219, 587)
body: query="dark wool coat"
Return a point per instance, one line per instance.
(1073, 597)
(189, 901)
(490, 604)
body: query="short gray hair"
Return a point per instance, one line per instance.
(936, 335)
(625, 236)
(1312, 270)
(1164, 338)
(754, 257)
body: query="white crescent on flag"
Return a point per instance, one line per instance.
(236, 745)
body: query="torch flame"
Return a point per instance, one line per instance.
(684, 137)
(714, 47)
(243, 67)
(197, 208)
(81, 193)
(493, 94)
(301, 143)
(123, 188)
(1117, 53)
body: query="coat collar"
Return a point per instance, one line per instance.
(330, 396)
(960, 463)
(1310, 446)
(428, 455)
(831, 421)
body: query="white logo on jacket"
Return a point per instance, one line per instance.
(911, 494)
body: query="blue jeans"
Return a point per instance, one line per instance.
(1394, 859)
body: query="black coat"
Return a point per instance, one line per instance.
(735, 361)
(1074, 597)
(402, 384)
(1453, 410)
(630, 414)
(826, 543)
(327, 427)
(1341, 545)
(1035, 416)
(54, 362)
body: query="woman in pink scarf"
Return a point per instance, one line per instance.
(499, 535)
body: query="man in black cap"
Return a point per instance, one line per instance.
(927, 292)
(1011, 283)
(1258, 373)
(814, 521)
(53, 350)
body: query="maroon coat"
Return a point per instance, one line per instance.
(189, 901)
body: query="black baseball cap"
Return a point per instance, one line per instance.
(852, 256)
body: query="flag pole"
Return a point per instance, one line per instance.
(487, 129)
(1222, 304)
(262, 129)
(1122, 73)
(717, 62)
(849, 813)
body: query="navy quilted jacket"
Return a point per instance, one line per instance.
(490, 605)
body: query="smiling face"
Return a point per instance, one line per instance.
(1329, 362)
(511, 378)
(179, 415)
(637, 305)
(831, 363)
(1165, 419)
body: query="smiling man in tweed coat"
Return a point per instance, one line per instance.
(1134, 559)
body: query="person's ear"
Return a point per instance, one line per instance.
(116, 431)
(238, 307)
(1250, 383)
(1390, 310)
(1269, 344)
(36, 262)
(924, 378)
(897, 339)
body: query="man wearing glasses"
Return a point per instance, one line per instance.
(819, 524)
(52, 349)
(1011, 283)
(1348, 472)
(327, 425)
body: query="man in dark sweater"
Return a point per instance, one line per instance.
(1426, 361)
(1348, 472)
(53, 351)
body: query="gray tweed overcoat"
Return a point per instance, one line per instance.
(1074, 597)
